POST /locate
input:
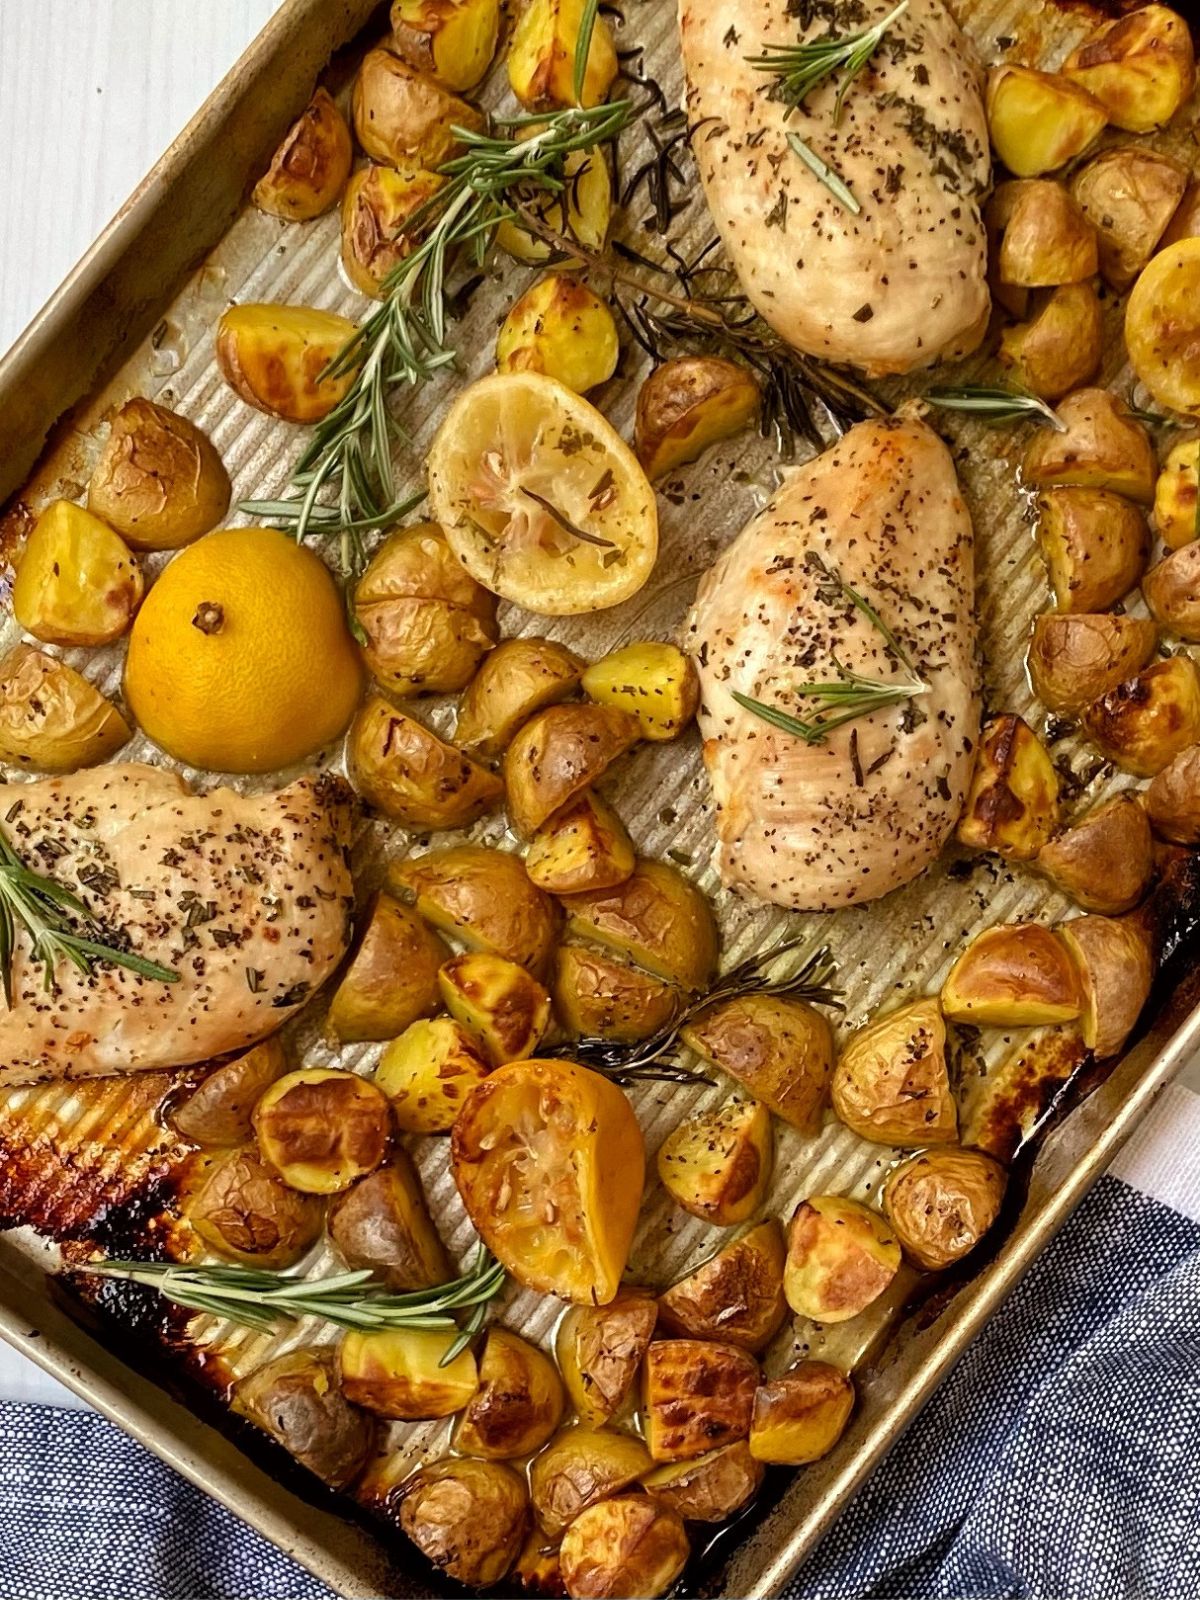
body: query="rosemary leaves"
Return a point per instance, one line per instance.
(800, 68)
(996, 405)
(833, 181)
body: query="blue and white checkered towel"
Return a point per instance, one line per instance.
(1061, 1461)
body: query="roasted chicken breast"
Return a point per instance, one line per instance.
(865, 809)
(901, 284)
(247, 897)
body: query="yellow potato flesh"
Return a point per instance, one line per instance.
(428, 1072)
(398, 1372)
(560, 328)
(78, 582)
(1176, 495)
(1038, 122)
(273, 356)
(653, 681)
(1162, 326)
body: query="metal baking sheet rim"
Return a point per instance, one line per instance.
(41, 377)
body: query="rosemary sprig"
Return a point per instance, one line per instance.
(263, 1300)
(43, 908)
(996, 405)
(833, 181)
(583, 45)
(800, 68)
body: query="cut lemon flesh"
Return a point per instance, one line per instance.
(541, 499)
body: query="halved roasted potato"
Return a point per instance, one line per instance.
(560, 327)
(322, 1129)
(1103, 447)
(310, 167)
(1146, 721)
(598, 996)
(1073, 660)
(841, 1256)
(78, 582)
(428, 1072)
(1039, 121)
(498, 1003)
(655, 682)
(577, 1468)
(718, 1165)
(1060, 346)
(467, 1517)
(1012, 804)
(696, 1395)
(383, 1225)
(688, 403)
(519, 678)
(801, 1415)
(536, 1569)
(51, 718)
(219, 1109)
(1185, 224)
(633, 1545)
(582, 847)
(1116, 963)
(384, 216)
(486, 899)
(242, 1210)
(1095, 544)
(735, 1295)
(272, 357)
(405, 118)
(600, 1349)
(708, 1488)
(942, 1203)
(1129, 194)
(541, 57)
(655, 918)
(297, 1398)
(1176, 507)
(780, 1050)
(1047, 240)
(1173, 798)
(1105, 860)
(452, 40)
(400, 766)
(159, 480)
(581, 212)
(1017, 974)
(392, 978)
(518, 1404)
(1162, 325)
(399, 1372)
(557, 754)
(1141, 67)
(892, 1081)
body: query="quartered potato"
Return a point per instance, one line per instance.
(801, 1415)
(518, 1404)
(452, 40)
(579, 1467)
(942, 1203)
(1039, 121)
(1013, 975)
(541, 57)
(687, 404)
(383, 1225)
(497, 1002)
(1162, 325)
(244, 1212)
(655, 682)
(517, 679)
(1129, 194)
(1173, 799)
(600, 1349)
(536, 1570)
(219, 1110)
(735, 1296)
(583, 846)
(633, 1545)
(696, 1395)
(392, 978)
(428, 1072)
(718, 1165)
(1060, 346)
(399, 765)
(398, 1372)
(1185, 224)
(1146, 721)
(1141, 68)
(599, 996)
(1175, 495)
(1095, 544)
(1116, 963)
(1103, 447)
(159, 481)
(1105, 861)
(384, 217)
(51, 718)
(892, 1081)
(78, 582)
(486, 899)
(656, 919)
(321, 1129)
(405, 118)
(559, 753)
(581, 212)
(1047, 240)
(1073, 660)
(467, 1517)
(1012, 804)
(709, 1488)
(780, 1050)
(273, 357)
(297, 1398)
(841, 1256)
(310, 168)
(561, 328)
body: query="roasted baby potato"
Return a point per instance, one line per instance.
(242, 1210)
(219, 1109)
(687, 404)
(1173, 799)
(536, 1570)
(1095, 544)
(1103, 448)
(696, 1395)
(1175, 495)
(841, 1256)
(1105, 860)
(892, 1081)
(51, 718)
(942, 1203)
(736, 1295)
(657, 919)
(1146, 721)
(1060, 346)
(801, 1415)
(297, 1398)
(1047, 239)
(383, 1225)
(399, 1372)
(780, 1050)
(428, 1072)
(561, 328)
(406, 119)
(709, 1488)
(1116, 964)
(452, 40)
(533, 1153)
(400, 766)
(1185, 224)
(598, 996)
(159, 481)
(1039, 121)
(467, 1517)
(631, 1545)
(579, 1467)
(653, 681)
(310, 168)
(1162, 324)
(1073, 660)
(519, 677)
(1140, 68)
(1014, 975)
(392, 978)
(582, 211)
(486, 899)
(541, 57)
(272, 357)
(497, 1002)
(383, 220)
(558, 753)
(599, 1351)
(583, 847)
(718, 1165)
(1012, 804)
(321, 1129)
(1129, 194)
(78, 582)
(518, 1404)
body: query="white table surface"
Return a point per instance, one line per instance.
(91, 93)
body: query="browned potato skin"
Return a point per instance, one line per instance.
(403, 768)
(655, 918)
(486, 899)
(1185, 224)
(402, 1373)
(1103, 448)
(380, 222)
(310, 168)
(321, 1128)
(735, 1296)
(1047, 239)
(841, 1257)
(1012, 804)
(1175, 494)
(1140, 67)
(577, 1468)
(1073, 660)
(467, 1517)
(583, 846)
(159, 481)
(801, 1415)
(687, 404)
(519, 678)
(599, 1351)
(1117, 965)
(942, 1203)
(1105, 861)
(558, 753)
(780, 1050)
(272, 357)
(892, 1083)
(1129, 194)
(710, 1488)
(1095, 544)
(497, 1001)
(1172, 592)
(597, 996)
(518, 1404)
(1145, 722)
(633, 1545)
(392, 976)
(452, 41)
(1013, 975)
(404, 118)
(1060, 347)
(297, 1398)
(718, 1165)
(696, 1395)
(1173, 799)
(383, 1224)
(242, 1211)
(537, 1570)
(218, 1110)
(51, 718)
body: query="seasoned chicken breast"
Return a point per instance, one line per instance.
(901, 284)
(247, 897)
(846, 819)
